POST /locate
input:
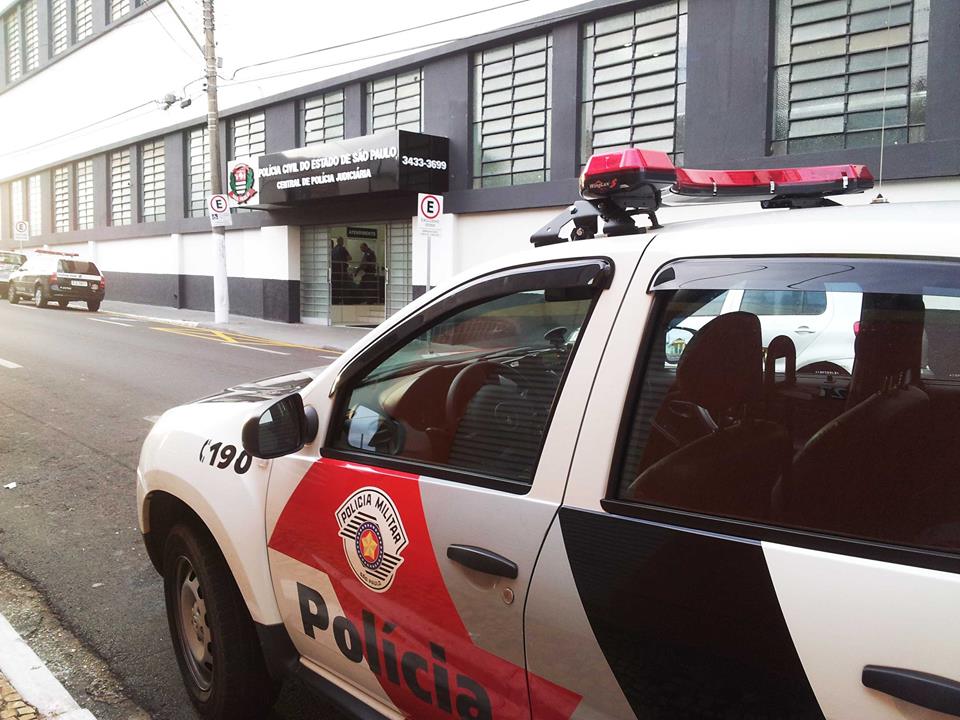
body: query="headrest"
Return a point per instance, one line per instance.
(943, 343)
(722, 366)
(889, 344)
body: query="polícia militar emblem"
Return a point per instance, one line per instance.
(241, 182)
(373, 537)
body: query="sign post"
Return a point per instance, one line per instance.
(21, 232)
(429, 210)
(219, 211)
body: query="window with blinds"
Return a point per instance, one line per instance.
(395, 102)
(34, 204)
(84, 172)
(847, 71)
(83, 19)
(153, 185)
(13, 45)
(121, 201)
(198, 181)
(61, 199)
(119, 8)
(31, 36)
(248, 135)
(59, 25)
(634, 80)
(322, 118)
(511, 111)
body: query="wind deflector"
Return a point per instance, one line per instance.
(850, 274)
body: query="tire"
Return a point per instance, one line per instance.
(12, 295)
(63, 303)
(40, 296)
(208, 618)
(93, 305)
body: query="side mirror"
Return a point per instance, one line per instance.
(281, 429)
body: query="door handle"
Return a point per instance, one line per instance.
(804, 330)
(929, 691)
(483, 560)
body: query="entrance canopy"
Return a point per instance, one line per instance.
(390, 161)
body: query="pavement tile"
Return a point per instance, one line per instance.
(12, 705)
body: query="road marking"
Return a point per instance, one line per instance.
(109, 322)
(8, 364)
(152, 419)
(33, 680)
(242, 340)
(247, 347)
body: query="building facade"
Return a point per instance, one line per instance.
(715, 83)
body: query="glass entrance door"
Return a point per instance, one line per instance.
(355, 274)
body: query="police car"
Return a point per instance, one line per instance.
(519, 498)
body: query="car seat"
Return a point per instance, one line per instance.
(726, 460)
(855, 473)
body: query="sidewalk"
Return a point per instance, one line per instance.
(321, 336)
(12, 705)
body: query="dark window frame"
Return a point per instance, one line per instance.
(737, 529)
(536, 276)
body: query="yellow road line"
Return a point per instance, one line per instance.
(222, 336)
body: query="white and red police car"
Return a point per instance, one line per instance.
(522, 496)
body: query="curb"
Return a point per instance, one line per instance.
(33, 681)
(151, 318)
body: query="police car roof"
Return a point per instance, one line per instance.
(916, 229)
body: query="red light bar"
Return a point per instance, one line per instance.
(622, 172)
(820, 180)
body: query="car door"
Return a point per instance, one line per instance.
(730, 576)
(802, 316)
(402, 550)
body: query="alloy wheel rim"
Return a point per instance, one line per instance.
(195, 637)
(38, 297)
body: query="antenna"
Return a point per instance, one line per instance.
(879, 199)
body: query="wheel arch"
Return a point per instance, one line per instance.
(163, 509)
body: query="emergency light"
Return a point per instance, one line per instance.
(820, 181)
(615, 186)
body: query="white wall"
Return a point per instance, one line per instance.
(269, 253)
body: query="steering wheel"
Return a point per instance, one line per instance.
(468, 382)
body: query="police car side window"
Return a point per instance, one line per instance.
(473, 393)
(857, 441)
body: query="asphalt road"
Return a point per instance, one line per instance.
(72, 419)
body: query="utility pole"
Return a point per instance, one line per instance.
(221, 294)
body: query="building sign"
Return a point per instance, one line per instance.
(388, 161)
(364, 233)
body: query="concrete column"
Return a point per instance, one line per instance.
(46, 202)
(101, 190)
(565, 115)
(6, 217)
(174, 160)
(46, 32)
(353, 114)
(135, 184)
(728, 95)
(446, 111)
(99, 16)
(943, 94)
(282, 126)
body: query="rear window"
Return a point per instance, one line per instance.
(79, 267)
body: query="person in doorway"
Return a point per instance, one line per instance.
(368, 280)
(339, 276)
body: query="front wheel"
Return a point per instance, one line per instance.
(12, 295)
(40, 296)
(213, 635)
(93, 305)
